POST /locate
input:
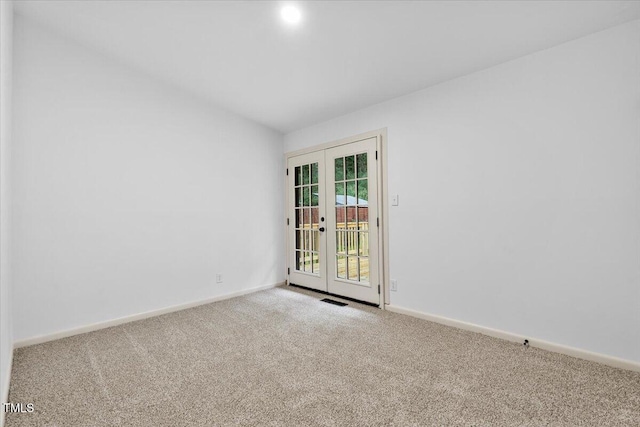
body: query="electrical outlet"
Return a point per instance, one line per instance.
(218, 278)
(395, 200)
(394, 285)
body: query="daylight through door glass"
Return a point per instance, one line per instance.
(307, 217)
(352, 218)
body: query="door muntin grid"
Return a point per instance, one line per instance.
(352, 218)
(307, 219)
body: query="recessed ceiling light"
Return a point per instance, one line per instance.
(290, 14)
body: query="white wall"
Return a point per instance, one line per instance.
(130, 196)
(520, 193)
(6, 338)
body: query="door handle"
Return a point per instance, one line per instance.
(321, 228)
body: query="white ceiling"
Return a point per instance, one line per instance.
(344, 56)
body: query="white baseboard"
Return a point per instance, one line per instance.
(5, 388)
(126, 319)
(533, 342)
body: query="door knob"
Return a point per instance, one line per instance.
(321, 228)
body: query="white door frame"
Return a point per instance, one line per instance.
(383, 203)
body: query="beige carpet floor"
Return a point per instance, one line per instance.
(283, 358)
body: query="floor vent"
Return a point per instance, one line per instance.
(334, 302)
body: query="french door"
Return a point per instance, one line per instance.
(307, 221)
(333, 213)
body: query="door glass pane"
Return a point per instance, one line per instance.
(298, 219)
(298, 192)
(340, 239)
(341, 266)
(314, 173)
(315, 216)
(352, 267)
(299, 261)
(316, 263)
(351, 193)
(347, 242)
(363, 244)
(350, 167)
(314, 195)
(340, 193)
(363, 192)
(362, 165)
(307, 218)
(316, 241)
(364, 270)
(352, 243)
(299, 239)
(363, 218)
(306, 196)
(311, 241)
(339, 164)
(340, 218)
(298, 175)
(351, 218)
(305, 174)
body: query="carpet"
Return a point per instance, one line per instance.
(282, 357)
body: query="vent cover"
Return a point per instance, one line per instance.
(334, 302)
